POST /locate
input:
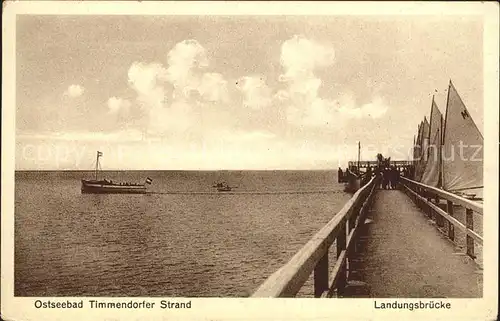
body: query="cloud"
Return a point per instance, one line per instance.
(282, 95)
(184, 61)
(74, 91)
(117, 105)
(213, 87)
(300, 58)
(185, 72)
(256, 93)
(320, 112)
(375, 109)
(146, 79)
(170, 96)
(122, 136)
(177, 118)
(247, 136)
(173, 96)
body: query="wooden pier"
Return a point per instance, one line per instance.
(364, 164)
(405, 242)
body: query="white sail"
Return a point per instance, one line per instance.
(416, 147)
(432, 170)
(462, 153)
(424, 139)
(425, 143)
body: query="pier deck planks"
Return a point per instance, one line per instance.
(402, 254)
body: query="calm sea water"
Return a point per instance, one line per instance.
(193, 242)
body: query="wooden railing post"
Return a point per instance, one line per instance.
(469, 222)
(439, 218)
(429, 208)
(341, 246)
(321, 276)
(451, 228)
(351, 224)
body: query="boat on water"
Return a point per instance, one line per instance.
(223, 187)
(351, 179)
(105, 186)
(453, 150)
(352, 182)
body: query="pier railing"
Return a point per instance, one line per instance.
(429, 198)
(342, 229)
(375, 163)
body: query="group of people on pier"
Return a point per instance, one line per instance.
(390, 177)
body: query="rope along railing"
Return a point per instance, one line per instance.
(423, 196)
(342, 229)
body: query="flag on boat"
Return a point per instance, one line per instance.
(99, 153)
(148, 180)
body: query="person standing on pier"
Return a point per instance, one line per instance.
(387, 175)
(367, 176)
(369, 173)
(394, 176)
(385, 178)
(390, 177)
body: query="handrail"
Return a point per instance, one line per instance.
(351, 172)
(476, 207)
(313, 256)
(375, 163)
(438, 214)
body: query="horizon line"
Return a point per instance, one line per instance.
(171, 170)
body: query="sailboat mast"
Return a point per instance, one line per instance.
(440, 158)
(443, 134)
(96, 165)
(359, 154)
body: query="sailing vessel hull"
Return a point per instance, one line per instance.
(104, 186)
(352, 185)
(90, 187)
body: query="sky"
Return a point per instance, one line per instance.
(235, 92)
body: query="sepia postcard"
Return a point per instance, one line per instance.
(249, 160)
